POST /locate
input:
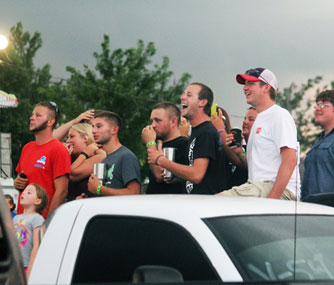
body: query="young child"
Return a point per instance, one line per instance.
(11, 204)
(34, 200)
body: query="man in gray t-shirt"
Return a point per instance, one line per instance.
(123, 168)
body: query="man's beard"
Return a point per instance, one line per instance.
(162, 136)
(103, 141)
(40, 128)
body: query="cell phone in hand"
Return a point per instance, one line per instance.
(22, 175)
(237, 138)
(214, 109)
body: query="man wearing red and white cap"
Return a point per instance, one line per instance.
(272, 149)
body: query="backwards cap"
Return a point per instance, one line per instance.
(259, 74)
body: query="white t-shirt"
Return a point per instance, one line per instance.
(273, 129)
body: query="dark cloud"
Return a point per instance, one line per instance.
(213, 40)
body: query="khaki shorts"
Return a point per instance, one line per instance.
(256, 189)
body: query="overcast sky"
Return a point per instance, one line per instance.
(213, 40)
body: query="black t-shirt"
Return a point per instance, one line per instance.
(204, 143)
(238, 175)
(224, 170)
(180, 145)
(75, 189)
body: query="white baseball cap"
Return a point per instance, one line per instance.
(259, 74)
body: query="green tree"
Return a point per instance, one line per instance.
(125, 82)
(298, 101)
(19, 76)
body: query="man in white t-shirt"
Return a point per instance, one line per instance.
(272, 149)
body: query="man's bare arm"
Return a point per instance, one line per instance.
(61, 188)
(61, 132)
(193, 173)
(289, 162)
(157, 172)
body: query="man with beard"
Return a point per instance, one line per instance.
(165, 118)
(202, 172)
(44, 161)
(122, 166)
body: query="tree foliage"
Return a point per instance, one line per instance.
(125, 81)
(19, 76)
(298, 100)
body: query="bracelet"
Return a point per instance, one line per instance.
(98, 190)
(243, 153)
(156, 160)
(85, 154)
(150, 143)
(222, 131)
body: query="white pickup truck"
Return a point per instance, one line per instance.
(201, 238)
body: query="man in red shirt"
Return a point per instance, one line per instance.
(44, 161)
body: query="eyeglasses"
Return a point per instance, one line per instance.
(322, 105)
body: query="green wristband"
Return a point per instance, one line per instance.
(243, 153)
(98, 190)
(150, 143)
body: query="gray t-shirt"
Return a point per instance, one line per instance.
(24, 226)
(122, 167)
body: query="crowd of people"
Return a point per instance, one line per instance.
(53, 170)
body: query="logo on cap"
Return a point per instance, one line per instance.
(258, 74)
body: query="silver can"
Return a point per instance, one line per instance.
(169, 152)
(99, 171)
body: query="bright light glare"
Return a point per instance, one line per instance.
(3, 42)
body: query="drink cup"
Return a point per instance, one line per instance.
(236, 137)
(99, 171)
(169, 152)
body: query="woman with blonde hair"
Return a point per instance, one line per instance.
(84, 153)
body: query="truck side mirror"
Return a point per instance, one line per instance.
(156, 273)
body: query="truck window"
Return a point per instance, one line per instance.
(114, 246)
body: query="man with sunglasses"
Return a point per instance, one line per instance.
(272, 148)
(44, 161)
(319, 161)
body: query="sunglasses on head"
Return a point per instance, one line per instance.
(54, 106)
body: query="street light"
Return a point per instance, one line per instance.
(3, 42)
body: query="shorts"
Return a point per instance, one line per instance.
(256, 189)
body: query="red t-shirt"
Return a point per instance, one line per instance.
(43, 164)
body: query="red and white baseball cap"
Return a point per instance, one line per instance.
(259, 74)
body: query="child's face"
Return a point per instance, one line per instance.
(29, 196)
(9, 204)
